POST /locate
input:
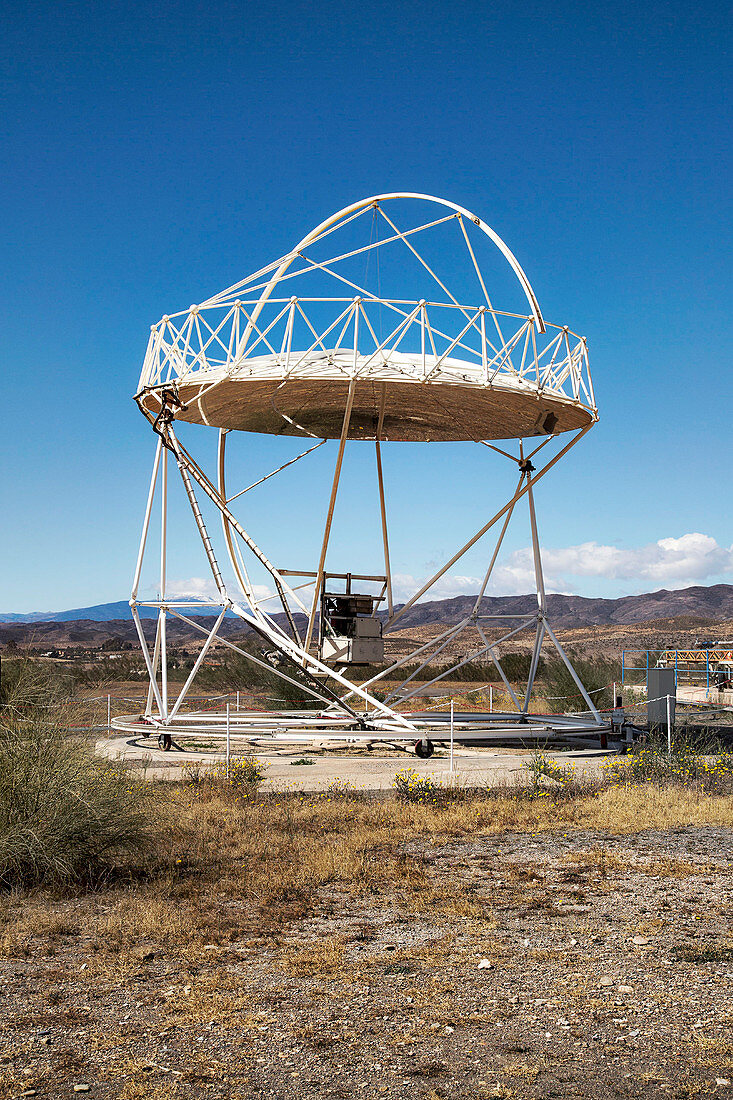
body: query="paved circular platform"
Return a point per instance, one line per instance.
(363, 770)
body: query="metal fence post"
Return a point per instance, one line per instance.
(228, 741)
(669, 725)
(451, 736)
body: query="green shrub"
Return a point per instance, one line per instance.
(412, 787)
(683, 767)
(515, 665)
(236, 673)
(596, 676)
(542, 767)
(342, 788)
(31, 686)
(244, 774)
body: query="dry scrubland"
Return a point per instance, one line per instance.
(565, 938)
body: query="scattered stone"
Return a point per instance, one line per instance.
(517, 1002)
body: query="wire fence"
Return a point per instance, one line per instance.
(96, 713)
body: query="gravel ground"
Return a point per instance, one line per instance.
(549, 965)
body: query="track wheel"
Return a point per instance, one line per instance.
(164, 741)
(424, 748)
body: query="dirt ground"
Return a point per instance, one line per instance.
(573, 962)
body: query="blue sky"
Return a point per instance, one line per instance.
(153, 155)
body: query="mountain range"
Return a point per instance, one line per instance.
(698, 602)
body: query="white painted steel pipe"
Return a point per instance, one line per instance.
(451, 736)
(229, 741)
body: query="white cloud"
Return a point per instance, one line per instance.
(692, 557)
(689, 559)
(404, 585)
(263, 591)
(202, 588)
(205, 588)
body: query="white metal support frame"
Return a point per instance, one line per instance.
(247, 336)
(269, 629)
(329, 514)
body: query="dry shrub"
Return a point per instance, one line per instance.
(64, 814)
(239, 780)
(325, 958)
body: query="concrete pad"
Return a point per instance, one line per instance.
(373, 771)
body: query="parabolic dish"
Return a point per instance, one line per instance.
(455, 404)
(419, 366)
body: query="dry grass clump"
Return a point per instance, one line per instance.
(240, 778)
(254, 867)
(229, 872)
(64, 815)
(325, 957)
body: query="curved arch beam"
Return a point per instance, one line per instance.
(361, 205)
